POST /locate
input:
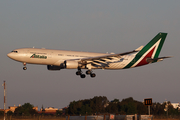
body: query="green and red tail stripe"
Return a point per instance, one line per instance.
(151, 50)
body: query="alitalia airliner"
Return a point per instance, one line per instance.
(61, 59)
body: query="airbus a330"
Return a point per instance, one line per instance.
(61, 59)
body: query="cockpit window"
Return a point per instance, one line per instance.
(14, 51)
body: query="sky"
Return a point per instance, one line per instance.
(91, 26)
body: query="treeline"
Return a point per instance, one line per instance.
(101, 105)
(128, 106)
(24, 110)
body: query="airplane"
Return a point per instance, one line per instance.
(61, 59)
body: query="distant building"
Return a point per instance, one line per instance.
(5, 110)
(176, 105)
(49, 110)
(12, 108)
(1, 109)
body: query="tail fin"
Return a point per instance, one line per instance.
(151, 50)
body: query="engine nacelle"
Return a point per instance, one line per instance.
(71, 64)
(53, 67)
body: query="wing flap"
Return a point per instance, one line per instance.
(98, 64)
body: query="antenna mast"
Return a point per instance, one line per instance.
(4, 97)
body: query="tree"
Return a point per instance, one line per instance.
(88, 106)
(128, 106)
(85, 109)
(141, 109)
(26, 109)
(112, 108)
(9, 113)
(99, 104)
(59, 112)
(115, 101)
(1, 113)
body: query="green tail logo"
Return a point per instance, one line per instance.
(151, 50)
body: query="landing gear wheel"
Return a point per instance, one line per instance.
(24, 68)
(88, 72)
(83, 75)
(93, 75)
(78, 72)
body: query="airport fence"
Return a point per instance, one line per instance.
(122, 117)
(93, 117)
(111, 117)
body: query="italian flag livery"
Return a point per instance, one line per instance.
(63, 59)
(149, 53)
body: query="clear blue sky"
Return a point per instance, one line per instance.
(94, 26)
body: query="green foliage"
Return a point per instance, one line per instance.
(1, 113)
(115, 101)
(112, 108)
(126, 106)
(100, 105)
(83, 107)
(9, 113)
(59, 112)
(129, 106)
(25, 110)
(158, 109)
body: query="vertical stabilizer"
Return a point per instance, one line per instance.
(151, 50)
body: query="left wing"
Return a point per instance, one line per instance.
(103, 61)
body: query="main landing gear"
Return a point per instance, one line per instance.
(88, 72)
(24, 68)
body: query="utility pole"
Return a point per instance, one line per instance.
(4, 98)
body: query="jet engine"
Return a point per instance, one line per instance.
(71, 64)
(53, 67)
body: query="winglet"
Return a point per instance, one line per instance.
(139, 48)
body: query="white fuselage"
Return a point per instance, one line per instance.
(61, 59)
(56, 57)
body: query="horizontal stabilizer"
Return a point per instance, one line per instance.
(150, 60)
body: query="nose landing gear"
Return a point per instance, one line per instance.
(24, 68)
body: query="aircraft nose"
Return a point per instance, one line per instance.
(9, 55)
